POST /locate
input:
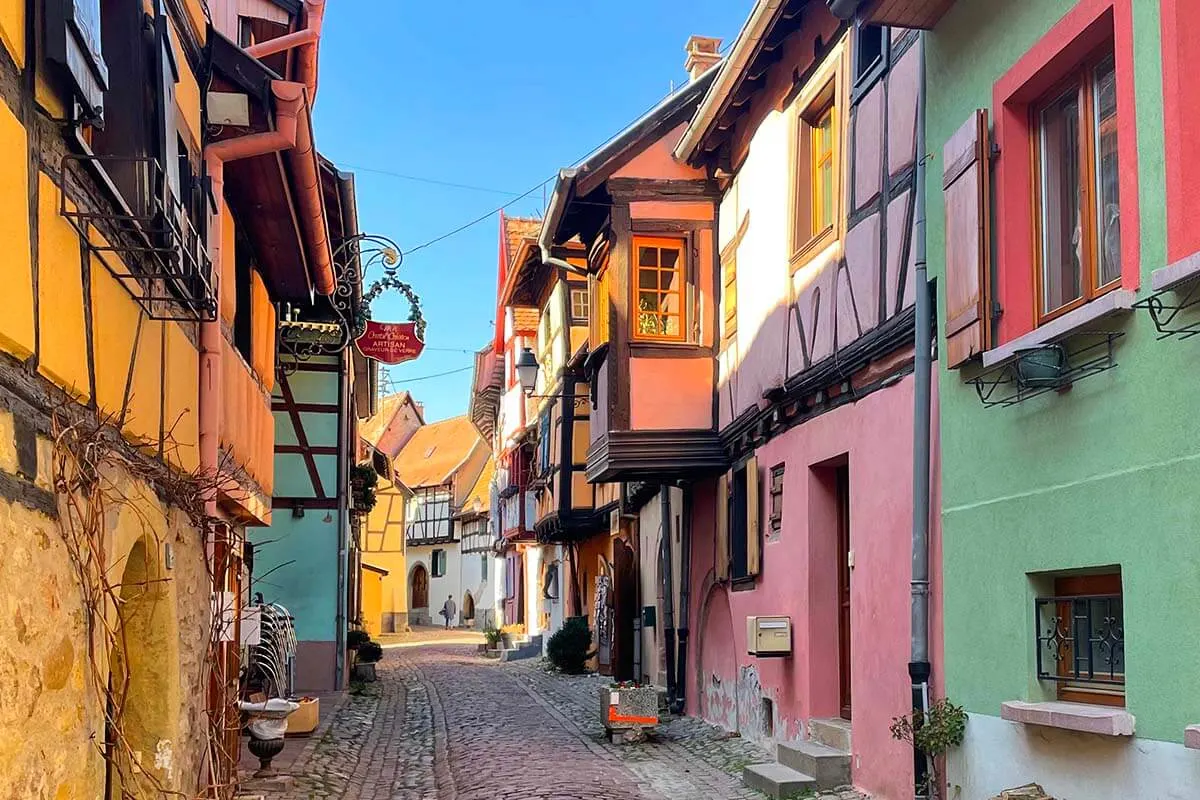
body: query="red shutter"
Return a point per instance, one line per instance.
(968, 240)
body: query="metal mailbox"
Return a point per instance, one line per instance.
(769, 636)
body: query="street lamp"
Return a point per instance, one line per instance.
(527, 371)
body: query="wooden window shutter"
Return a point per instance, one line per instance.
(965, 188)
(167, 75)
(753, 534)
(722, 562)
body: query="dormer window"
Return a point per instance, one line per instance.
(659, 290)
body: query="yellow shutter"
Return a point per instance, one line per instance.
(753, 535)
(722, 564)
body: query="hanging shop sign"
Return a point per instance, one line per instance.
(390, 342)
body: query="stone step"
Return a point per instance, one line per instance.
(530, 648)
(830, 767)
(777, 781)
(833, 733)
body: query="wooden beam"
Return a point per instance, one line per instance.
(303, 449)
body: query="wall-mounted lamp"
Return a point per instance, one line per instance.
(298, 511)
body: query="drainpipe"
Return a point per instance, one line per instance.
(289, 100)
(919, 667)
(685, 599)
(305, 38)
(343, 521)
(668, 590)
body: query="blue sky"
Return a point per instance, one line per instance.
(490, 95)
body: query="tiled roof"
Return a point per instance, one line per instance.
(373, 427)
(435, 451)
(480, 497)
(516, 229)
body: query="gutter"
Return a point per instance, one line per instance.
(685, 599)
(564, 188)
(668, 588)
(731, 69)
(289, 98)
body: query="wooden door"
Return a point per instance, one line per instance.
(420, 587)
(843, 553)
(624, 610)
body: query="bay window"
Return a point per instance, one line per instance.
(660, 293)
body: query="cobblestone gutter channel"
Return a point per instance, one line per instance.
(443, 724)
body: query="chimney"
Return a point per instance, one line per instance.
(702, 53)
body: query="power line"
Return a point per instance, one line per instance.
(428, 377)
(432, 181)
(533, 189)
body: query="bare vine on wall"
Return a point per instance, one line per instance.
(97, 476)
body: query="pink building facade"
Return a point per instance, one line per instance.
(814, 392)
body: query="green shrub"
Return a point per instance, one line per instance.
(571, 647)
(356, 638)
(369, 652)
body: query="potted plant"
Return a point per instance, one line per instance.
(363, 483)
(1042, 367)
(356, 638)
(492, 636)
(941, 728)
(508, 634)
(365, 658)
(571, 646)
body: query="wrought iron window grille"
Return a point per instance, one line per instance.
(1081, 355)
(149, 242)
(1081, 638)
(1167, 305)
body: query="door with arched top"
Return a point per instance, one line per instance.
(419, 588)
(468, 610)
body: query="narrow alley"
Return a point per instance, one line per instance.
(441, 722)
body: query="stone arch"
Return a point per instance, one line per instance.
(716, 657)
(140, 678)
(418, 587)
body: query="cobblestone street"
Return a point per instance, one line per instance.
(445, 723)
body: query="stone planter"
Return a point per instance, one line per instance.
(364, 672)
(631, 710)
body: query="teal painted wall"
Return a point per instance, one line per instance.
(1106, 473)
(301, 553)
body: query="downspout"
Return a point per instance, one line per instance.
(343, 521)
(668, 584)
(305, 38)
(289, 100)
(919, 668)
(685, 599)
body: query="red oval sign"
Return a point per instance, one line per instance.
(390, 342)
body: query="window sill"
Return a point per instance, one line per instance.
(1082, 717)
(1114, 302)
(1172, 275)
(1191, 737)
(743, 584)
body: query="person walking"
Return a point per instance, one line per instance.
(449, 610)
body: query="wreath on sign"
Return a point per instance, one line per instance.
(355, 257)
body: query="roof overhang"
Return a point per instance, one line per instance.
(258, 188)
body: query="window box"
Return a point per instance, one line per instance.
(1083, 717)
(1061, 327)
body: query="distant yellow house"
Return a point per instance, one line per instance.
(384, 568)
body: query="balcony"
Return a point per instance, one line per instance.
(142, 233)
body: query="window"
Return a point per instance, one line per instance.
(816, 205)
(776, 517)
(659, 291)
(739, 542)
(483, 566)
(729, 293)
(438, 561)
(579, 306)
(1081, 638)
(598, 319)
(1078, 210)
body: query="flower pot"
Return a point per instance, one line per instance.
(363, 672)
(265, 750)
(1042, 367)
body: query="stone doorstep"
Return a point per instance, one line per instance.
(830, 767)
(777, 781)
(1102, 720)
(834, 733)
(1191, 737)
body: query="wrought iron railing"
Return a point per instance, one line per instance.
(1081, 639)
(127, 216)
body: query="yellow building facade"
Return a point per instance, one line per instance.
(137, 342)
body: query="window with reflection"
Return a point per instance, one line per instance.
(659, 289)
